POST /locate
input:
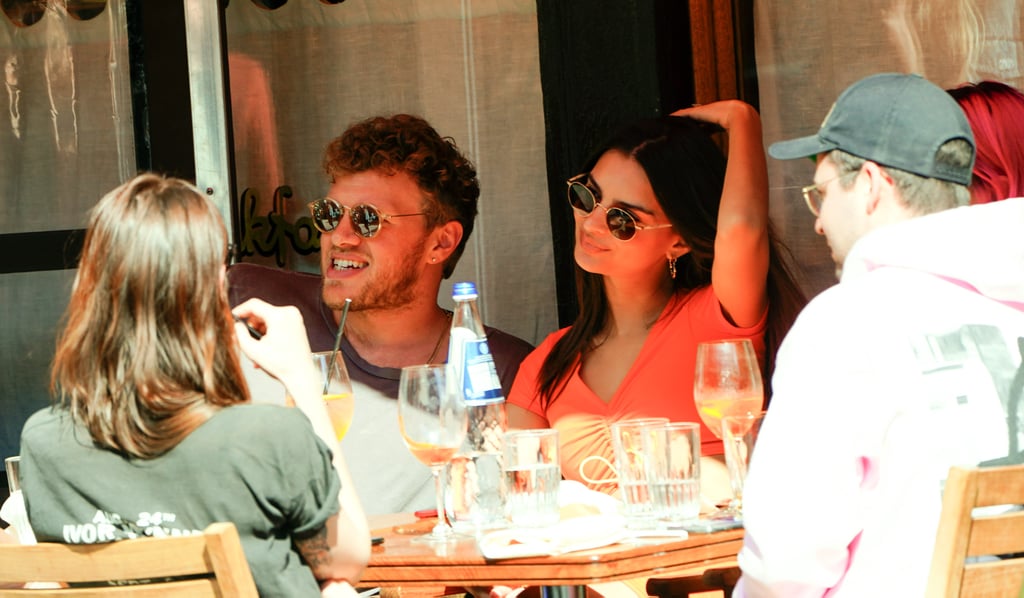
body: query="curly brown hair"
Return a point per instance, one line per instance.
(407, 143)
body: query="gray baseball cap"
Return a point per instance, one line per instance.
(893, 119)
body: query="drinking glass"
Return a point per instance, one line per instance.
(727, 381)
(739, 433)
(432, 420)
(533, 476)
(337, 390)
(12, 465)
(675, 471)
(13, 509)
(631, 446)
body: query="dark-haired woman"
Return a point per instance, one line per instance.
(673, 247)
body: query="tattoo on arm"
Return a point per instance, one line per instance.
(316, 552)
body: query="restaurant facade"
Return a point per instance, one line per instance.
(242, 96)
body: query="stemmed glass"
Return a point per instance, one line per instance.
(727, 382)
(337, 390)
(739, 433)
(432, 420)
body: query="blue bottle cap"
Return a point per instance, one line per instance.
(464, 290)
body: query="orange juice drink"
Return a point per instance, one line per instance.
(340, 408)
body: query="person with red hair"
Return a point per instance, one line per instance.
(996, 113)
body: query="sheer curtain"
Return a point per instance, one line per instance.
(806, 57)
(66, 138)
(300, 74)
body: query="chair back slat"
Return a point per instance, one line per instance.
(964, 532)
(216, 554)
(1000, 486)
(193, 588)
(1000, 534)
(128, 559)
(997, 578)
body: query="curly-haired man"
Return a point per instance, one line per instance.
(394, 222)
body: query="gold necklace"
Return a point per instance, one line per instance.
(437, 345)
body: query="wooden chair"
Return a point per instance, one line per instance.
(208, 565)
(963, 533)
(722, 578)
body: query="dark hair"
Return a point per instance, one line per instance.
(686, 171)
(147, 352)
(406, 143)
(996, 114)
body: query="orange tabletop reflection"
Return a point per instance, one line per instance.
(400, 562)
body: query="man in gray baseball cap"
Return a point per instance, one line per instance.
(892, 147)
(902, 369)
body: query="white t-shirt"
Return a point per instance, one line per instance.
(387, 478)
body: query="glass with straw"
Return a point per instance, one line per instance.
(337, 386)
(337, 390)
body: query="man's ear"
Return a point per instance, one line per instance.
(444, 240)
(879, 182)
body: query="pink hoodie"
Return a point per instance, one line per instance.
(904, 368)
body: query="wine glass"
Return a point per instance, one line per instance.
(337, 390)
(432, 420)
(739, 432)
(727, 382)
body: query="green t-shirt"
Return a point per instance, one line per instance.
(258, 466)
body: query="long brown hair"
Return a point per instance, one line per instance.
(147, 352)
(687, 173)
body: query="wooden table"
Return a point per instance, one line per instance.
(400, 562)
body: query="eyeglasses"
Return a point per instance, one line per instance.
(366, 219)
(621, 224)
(814, 196)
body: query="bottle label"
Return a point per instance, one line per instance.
(480, 383)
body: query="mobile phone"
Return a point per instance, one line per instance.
(709, 526)
(376, 540)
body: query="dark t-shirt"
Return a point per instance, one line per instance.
(258, 466)
(387, 478)
(286, 287)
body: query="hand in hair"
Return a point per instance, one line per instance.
(725, 113)
(739, 274)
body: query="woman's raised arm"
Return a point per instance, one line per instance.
(739, 274)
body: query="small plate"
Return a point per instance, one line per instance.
(571, 535)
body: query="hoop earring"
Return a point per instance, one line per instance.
(672, 267)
